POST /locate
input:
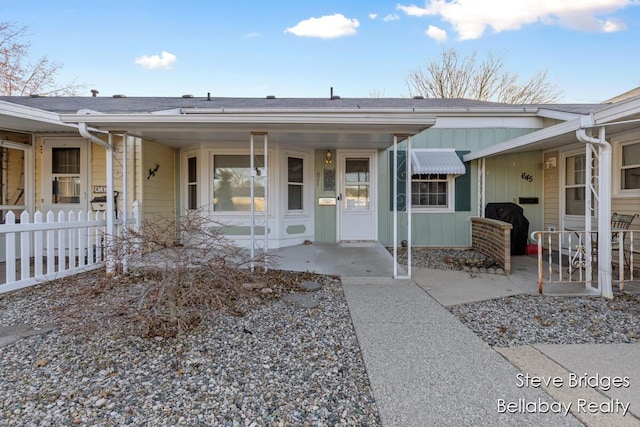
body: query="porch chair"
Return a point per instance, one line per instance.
(619, 222)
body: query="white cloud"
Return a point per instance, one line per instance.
(373, 15)
(252, 35)
(164, 61)
(391, 17)
(438, 34)
(470, 18)
(613, 25)
(325, 27)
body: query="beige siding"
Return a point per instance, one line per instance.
(14, 160)
(38, 174)
(158, 191)
(551, 201)
(98, 168)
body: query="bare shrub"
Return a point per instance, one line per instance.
(187, 268)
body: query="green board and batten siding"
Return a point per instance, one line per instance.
(452, 229)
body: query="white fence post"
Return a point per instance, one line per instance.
(81, 239)
(37, 245)
(62, 243)
(51, 245)
(10, 244)
(25, 248)
(72, 241)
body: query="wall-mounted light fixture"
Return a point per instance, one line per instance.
(328, 157)
(550, 163)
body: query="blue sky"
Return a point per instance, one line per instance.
(589, 48)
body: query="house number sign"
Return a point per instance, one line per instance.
(99, 188)
(527, 177)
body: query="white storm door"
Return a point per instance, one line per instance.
(64, 175)
(357, 204)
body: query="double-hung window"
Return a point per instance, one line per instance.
(192, 183)
(65, 171)
(430, 191)
(630, 166)
(575, 188)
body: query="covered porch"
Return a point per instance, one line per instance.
(269, 137)
(588, 171)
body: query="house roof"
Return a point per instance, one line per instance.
(331, 123)
(69, 105)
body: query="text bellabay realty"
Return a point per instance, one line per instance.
(604, 383)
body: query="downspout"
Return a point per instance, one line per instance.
(82, 128)
(604, 203)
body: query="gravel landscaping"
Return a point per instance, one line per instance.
(533, 319)
(275, 364)
(281, 353)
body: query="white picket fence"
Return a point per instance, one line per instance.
(44, 248)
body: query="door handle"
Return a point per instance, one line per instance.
(339, 197)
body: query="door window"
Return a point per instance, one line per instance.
(357, 184)
(65, 174)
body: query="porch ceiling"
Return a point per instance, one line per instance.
(325, 130)
(26, 119)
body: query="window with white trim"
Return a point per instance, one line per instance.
(192, 183)
(295, 183)
(432, 191)
(575, 184)
(65, 171)
(630, 166)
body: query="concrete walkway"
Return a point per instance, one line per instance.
(428, 369)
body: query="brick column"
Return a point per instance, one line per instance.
(492, 238)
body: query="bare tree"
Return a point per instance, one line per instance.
(454, 76)
(20, 75)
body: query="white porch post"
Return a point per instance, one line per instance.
(395, 206)
(481, 186)
(110, 261)
(603, 190)
(254, 173)
(592, 189)
(408, 205)
(407, 191)
(604, 216)
(125, 201)
(252, 201)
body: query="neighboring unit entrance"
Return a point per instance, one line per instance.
(357, 196)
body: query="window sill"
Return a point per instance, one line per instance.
(626, 194)
(432, 210)
(296, 214)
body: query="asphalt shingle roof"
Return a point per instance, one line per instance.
(72, 105)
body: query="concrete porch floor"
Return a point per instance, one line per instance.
(363, 261)
(369, 259)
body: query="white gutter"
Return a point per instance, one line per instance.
(265, 118)
(439, 111)
(604, 203)
(109, 214)
(82, 128)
